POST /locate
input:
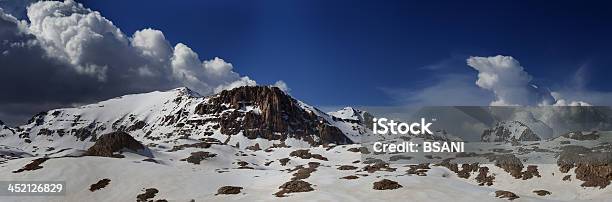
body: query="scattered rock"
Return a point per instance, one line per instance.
(483, 178)
(531, 171)
(303, 173)
(506, 194)
(541, 192)
(567, 178)
(378, 167)
(149, 194)
(201, 145)
(199, 156)
(242, 163)
(283, 161)
(294, 186)
(99, 185)
(305, 154)
(386, 184)
(280, 145)
(34, 165)
(594, 175)
(510, 163)
(594, 168)
(254, 147)
(347, 167)
(354, 149)
(350, 177)
(314, 164)
(465, 171)
(420, 169)
(228, 190)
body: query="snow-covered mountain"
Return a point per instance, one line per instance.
(260, 144)
(509, 131)
(241, 115)
(353, 122)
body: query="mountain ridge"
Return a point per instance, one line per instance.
(240, 115)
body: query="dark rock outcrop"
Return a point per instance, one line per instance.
(199, 156)
(229, 190)
(99, 185)
(305, 154)
(541, 192)
(594, 168)
(149, 194)
(283, 161)
(483, 177)
(350, 177)
(38, 119)
(386, 184)
(594, 175)
(278, 116)
(34, 165)
(510, 163)
(113, 142)
(303, 173)
(506, 194)
(377, 167)
(294, 186)
(420, 169)
(347, 167)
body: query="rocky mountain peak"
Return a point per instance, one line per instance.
(268, 112)
(347, 113)
(184, 91)
(509, 131)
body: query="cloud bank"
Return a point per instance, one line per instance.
(66, 54)
(500, 81)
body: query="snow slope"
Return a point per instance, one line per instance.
(174, 129)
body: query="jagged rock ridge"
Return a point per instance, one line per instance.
(268, 112)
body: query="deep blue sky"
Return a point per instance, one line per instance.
(342, 52)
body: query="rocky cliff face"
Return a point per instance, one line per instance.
(268, 112)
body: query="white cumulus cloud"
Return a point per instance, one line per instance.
(282, 85)
(66, 53)
(507, 79)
